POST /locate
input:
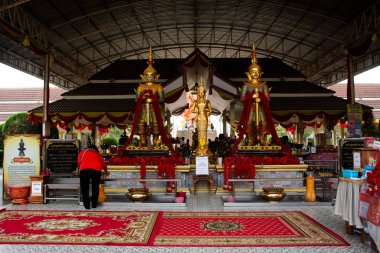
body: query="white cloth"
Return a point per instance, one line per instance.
(347, 203)
(374, 232)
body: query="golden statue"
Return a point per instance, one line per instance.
(148, 123)
(202, 107)
(258, 134)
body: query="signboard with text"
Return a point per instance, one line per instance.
(22, 159)
(201, 165)
(61, 155)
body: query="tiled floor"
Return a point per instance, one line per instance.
(199, 203)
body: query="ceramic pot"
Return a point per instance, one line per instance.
(19, 194)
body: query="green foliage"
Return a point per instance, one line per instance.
(54, 133)
(114, 132)
(369, 128)
(19, 124)
(110, 141)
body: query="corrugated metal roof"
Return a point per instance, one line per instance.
(86, 36)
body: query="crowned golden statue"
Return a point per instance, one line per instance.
(257, 127)
(202, 107)
(147, 124)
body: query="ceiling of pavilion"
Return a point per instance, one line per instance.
(87, 36)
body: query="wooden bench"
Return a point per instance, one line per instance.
(61, 184)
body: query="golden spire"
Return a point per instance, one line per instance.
(150, 59)
(254, 59)
(201, 86)
(150, 69)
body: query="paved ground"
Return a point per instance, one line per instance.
(195, 203)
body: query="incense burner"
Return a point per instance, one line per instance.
(273, 194)
(138, 194)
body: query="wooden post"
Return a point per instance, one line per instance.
(45, 119)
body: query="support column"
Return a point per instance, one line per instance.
(300, 132)
(350, 79)
(45, 119)
(315, 131)
(224, 115)
(167, 119)
(93, 133)
(232, 118)
(334, 137)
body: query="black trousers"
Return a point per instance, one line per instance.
(86, 176)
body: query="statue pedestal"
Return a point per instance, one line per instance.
(145, 151)
(260, 150)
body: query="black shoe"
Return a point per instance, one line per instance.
(94, 206)
(87, 207)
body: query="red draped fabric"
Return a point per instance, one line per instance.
(268, 114)
(242, 126)
(157, 111)
(174, 97)
(65, 118)
(135, 120)
(243, 123)
(90, 119)
(80, 127)
(117, 119)
(160, 124)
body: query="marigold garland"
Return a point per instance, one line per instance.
(373, 181)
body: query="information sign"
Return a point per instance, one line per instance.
(201, 165)
(61, 155)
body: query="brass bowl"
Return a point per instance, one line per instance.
(138, 194)
(273, 194)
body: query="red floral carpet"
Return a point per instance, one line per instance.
(78, 227)
(261, 229)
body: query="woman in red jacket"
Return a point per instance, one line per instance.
(90, 164)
